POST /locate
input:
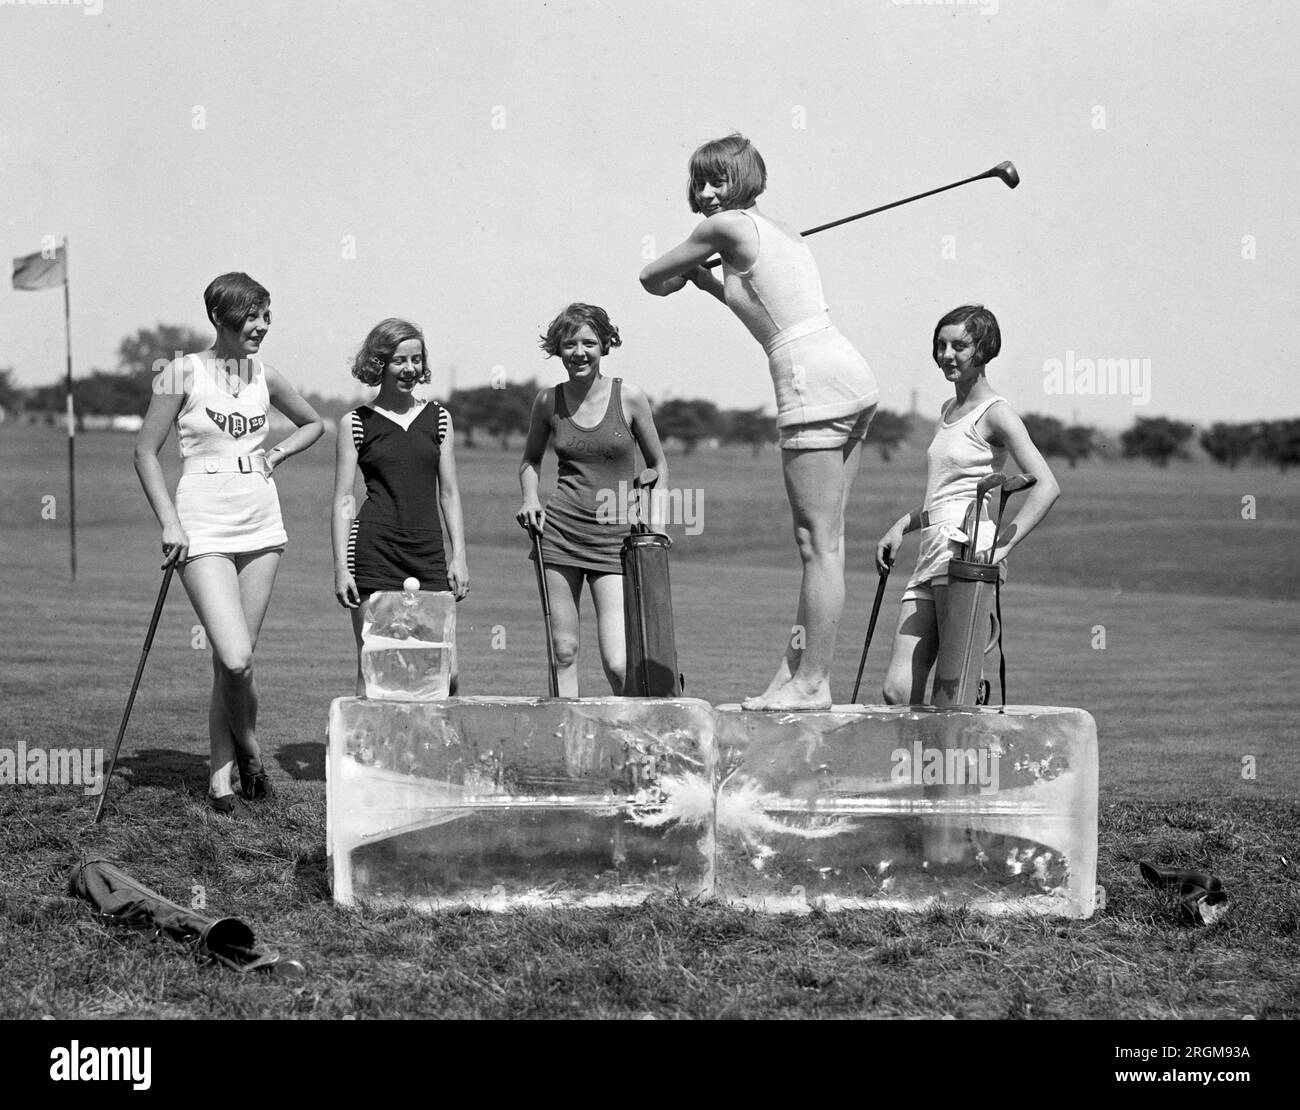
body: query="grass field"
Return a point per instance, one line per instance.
(1196, 606)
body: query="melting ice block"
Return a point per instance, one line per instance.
(908, 806)
(408, 645)
(501, 802)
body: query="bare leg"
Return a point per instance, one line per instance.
(565, 587)
(916, 645)
(818, 483)
(231, 599)
(357, 619)
(607, 590)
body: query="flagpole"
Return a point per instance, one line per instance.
(72, 419)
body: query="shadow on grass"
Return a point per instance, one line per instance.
(304, 762)
(165, 767)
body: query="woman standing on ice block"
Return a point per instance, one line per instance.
(224, 530)
(595, 424)
(825, 391)
(404, 446)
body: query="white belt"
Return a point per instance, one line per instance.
(218, 464)
(951, 511)
(797, 331)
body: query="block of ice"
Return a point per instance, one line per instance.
(408, 644)
(908, 806)
(500, 802)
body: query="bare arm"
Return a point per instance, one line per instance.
(1002, 426)
(640, 418)
(449, 500)
(723, 234)
(169, 389)
(310, 426)
(887, 546)
(345, 511)
(531, 514)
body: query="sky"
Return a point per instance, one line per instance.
(476, 167)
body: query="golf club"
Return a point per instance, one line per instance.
(168, 570)
(987, 483)
(1003, 170)
(1016, 484)
(545, 593)
(871, 628)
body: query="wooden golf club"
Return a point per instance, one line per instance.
(987, 483)
(1017, 484)
(871, 628)
(1003, 170)
(168, 570)
(545, 594)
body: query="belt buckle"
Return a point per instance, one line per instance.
(245, 464)
(211, 465)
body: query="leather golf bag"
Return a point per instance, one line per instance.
(964, 625)
(648, 617)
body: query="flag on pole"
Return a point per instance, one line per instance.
(40, 271)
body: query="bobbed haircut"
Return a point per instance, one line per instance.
(980, 324)
(377, 350)
(231, 297)
(571, 319)
(732, 159)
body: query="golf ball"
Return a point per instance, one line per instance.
(411, 585)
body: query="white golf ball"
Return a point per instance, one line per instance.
(411, 585)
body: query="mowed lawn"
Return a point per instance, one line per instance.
(1146, 598)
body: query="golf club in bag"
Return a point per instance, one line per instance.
(648, 608)
(1004, 171)
(545, 594)
(1017, 484)
(168, 570)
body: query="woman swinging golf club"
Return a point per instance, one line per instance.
(977, 433)
(825, 391)
(595, 424)
(224, 529)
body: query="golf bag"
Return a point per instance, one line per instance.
(648, 617)
(962, 640)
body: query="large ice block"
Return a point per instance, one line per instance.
(502, 802)
(906, 807)
(408, 644)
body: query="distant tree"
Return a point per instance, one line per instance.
(1156, 439)
(749, 426)
(1078, 443)
(1047, 432)
(1228, 444)
(500, 412)
(138, 353)
(888, 430)
(106, 393)
(1280, 443)
(688, 420)
(11, 393)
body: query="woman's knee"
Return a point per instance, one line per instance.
(817, 539)
(565, 647)
(233, 665)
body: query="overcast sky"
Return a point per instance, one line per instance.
(486, 163)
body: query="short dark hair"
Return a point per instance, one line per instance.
(571, 319)
(231, 297)
(980, 324)
(732, 159)
(377, 350)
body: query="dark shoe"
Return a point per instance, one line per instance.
(224, 805)
(255, 785)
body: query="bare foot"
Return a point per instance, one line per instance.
(792, 697)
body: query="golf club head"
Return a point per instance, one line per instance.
(987, 483)
(1007, 172)
(1017, 483)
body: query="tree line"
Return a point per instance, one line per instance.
(498, 413)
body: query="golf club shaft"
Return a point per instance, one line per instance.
(139, 673)
(553, 677)
(871, 628)
(713, 262)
